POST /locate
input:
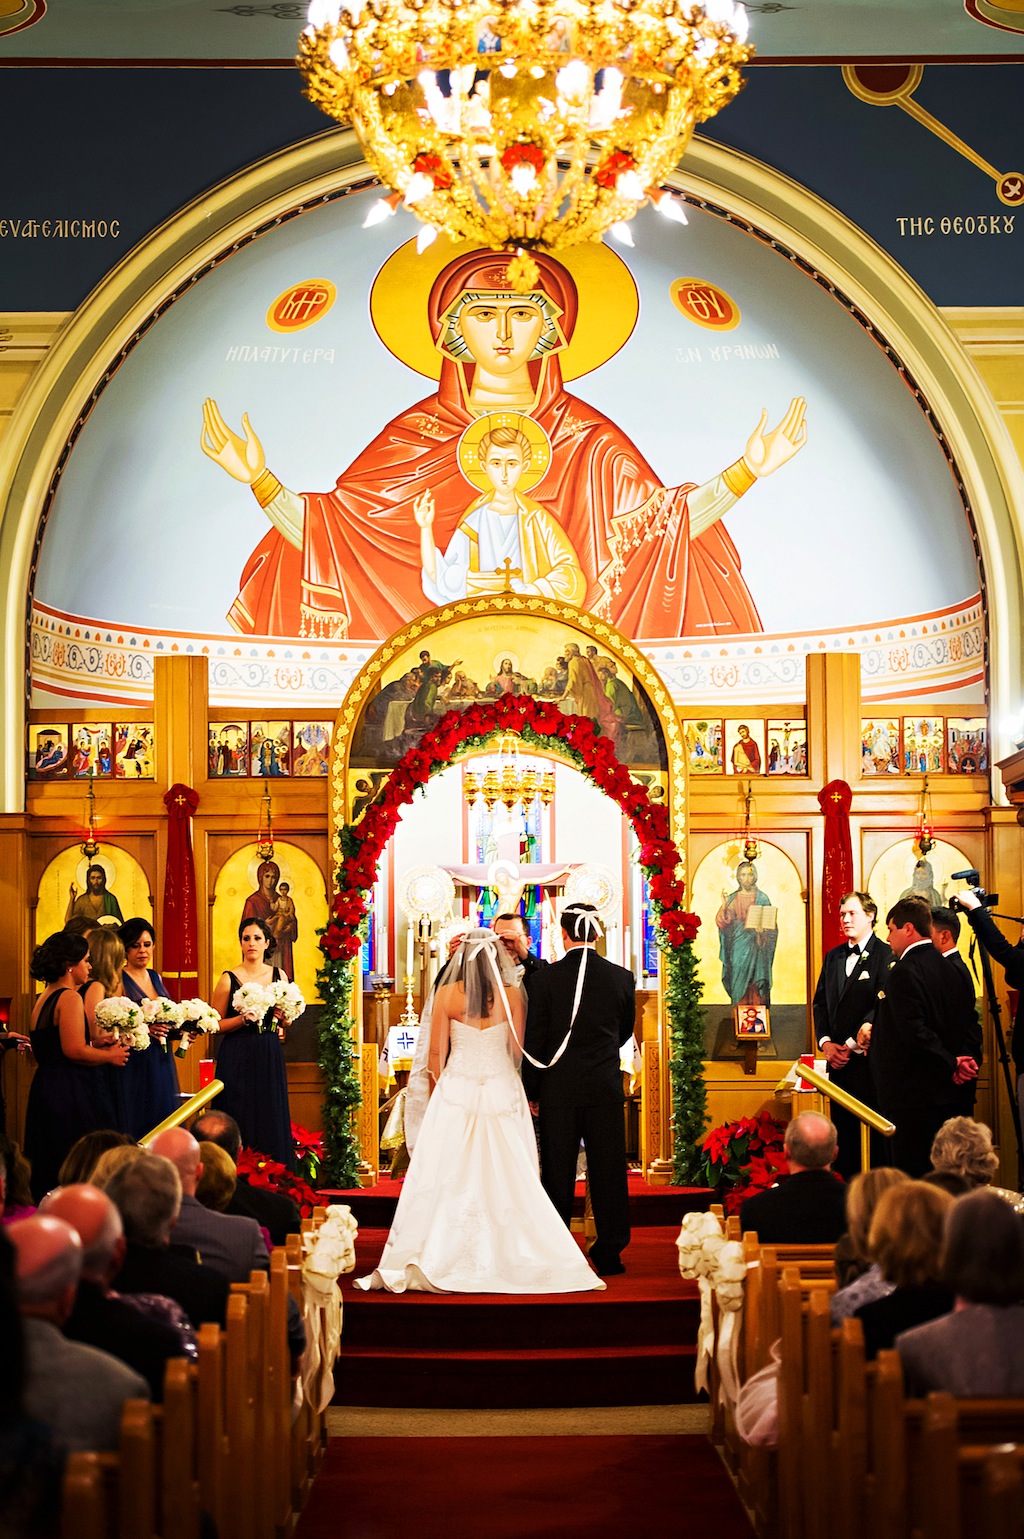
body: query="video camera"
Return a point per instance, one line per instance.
(973, 880)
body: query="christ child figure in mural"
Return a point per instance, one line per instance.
(748, 933)
(348, 563)
(506, 540)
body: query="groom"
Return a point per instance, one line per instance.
(580, 1094)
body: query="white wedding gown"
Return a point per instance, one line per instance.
(473, 1216)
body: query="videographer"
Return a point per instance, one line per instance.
(1012, 958)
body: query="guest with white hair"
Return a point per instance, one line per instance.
(75, 1389)
(147, 1194)
(226, 1242)
(143, 1330)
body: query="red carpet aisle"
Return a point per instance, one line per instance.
(630, 1345)
(523, 1488)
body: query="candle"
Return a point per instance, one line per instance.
(627, 950)
(408, 951)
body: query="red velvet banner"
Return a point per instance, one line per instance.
(837, 875)
(180, 951)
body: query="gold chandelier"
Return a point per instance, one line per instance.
(523, 123)
(506, 782)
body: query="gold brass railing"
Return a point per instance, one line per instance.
(190, 1108)
(868, 1117)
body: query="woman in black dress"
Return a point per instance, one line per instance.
(149, 1090)
(251, 1060)
(68, 1097)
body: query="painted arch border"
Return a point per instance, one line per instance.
(795, 222)
(436, 621)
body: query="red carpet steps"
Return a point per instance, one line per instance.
(630, 1345)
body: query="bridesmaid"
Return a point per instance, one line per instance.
(106, 958)
(67, 1095)
(251, 1060)
(149, 1086)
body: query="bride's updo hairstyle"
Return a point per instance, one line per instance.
(58, 952)
(474, 965)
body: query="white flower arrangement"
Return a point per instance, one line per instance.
(253, 1000)
(197, 1018)
(161, 1012)
(718, 1265)
(125, 1020)
(288, 1000)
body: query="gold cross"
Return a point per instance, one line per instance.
(508, 574)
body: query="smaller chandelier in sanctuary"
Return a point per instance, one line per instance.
(507, 782)
(520, 124)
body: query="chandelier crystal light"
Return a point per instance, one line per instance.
(519, 124)
(507, 782)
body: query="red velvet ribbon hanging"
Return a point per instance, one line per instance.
(837, 874)
(180, 950)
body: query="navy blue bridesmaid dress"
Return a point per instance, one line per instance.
(147, 1086)
(66, 1099)
(250, 1061)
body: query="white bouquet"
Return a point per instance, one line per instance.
(125, 1020)
(253, 1000)
(161, 1012)
(197, 1018)
(288, 1000)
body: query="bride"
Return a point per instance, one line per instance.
(473, 1216)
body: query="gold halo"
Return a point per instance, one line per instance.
(499, 658)
(469, 449)
(608, 304)
(109, 870)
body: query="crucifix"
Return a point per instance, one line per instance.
(509, 572)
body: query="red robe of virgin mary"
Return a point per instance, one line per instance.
(358, 573)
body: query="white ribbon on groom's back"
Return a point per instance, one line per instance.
(592, 925)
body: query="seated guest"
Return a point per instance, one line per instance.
(77, 1390)
(232, 1246)
(947, 1181)
(905, 1240)
(810, 1207)
(112, 1161)
(274, 1211)
(860, 1279)
(963, 1147)
(216, 1185)
(15, 1189)
(31, 1462)
(82, 1157)
(979, 1348)
(142, 1330)
(147, 1194)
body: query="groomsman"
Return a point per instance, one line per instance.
(920, 1044)
(845, 1000)
(581, 1013)
(945, 934)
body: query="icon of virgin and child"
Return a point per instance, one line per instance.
(402, 529)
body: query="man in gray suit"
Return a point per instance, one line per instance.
(75, 1389)
(230, 1245)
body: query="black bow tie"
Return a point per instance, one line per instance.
(855, 948)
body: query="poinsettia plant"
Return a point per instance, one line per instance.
(309, 1152)
(260, 1170)
(744, 1157)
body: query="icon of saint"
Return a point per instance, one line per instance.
(347, 563)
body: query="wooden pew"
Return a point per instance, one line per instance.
(1002, 1494)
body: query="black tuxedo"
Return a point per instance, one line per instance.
(580, 1096)
(842, 1005)
(808, 1209)
(921, 1028)
(964, 984)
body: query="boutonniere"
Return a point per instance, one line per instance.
(881, 993)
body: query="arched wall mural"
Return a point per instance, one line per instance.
(288, 891)
(678, 395)
(65, 883)
(735, 962)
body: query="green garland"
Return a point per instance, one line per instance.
(336, 1058)
(683, 990)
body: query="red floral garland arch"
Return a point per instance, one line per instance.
(537, 721)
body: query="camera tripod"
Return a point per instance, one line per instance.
(996, 1012)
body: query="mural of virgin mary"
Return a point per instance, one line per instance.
(346, 563)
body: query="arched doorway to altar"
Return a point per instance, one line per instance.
(523, 682)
